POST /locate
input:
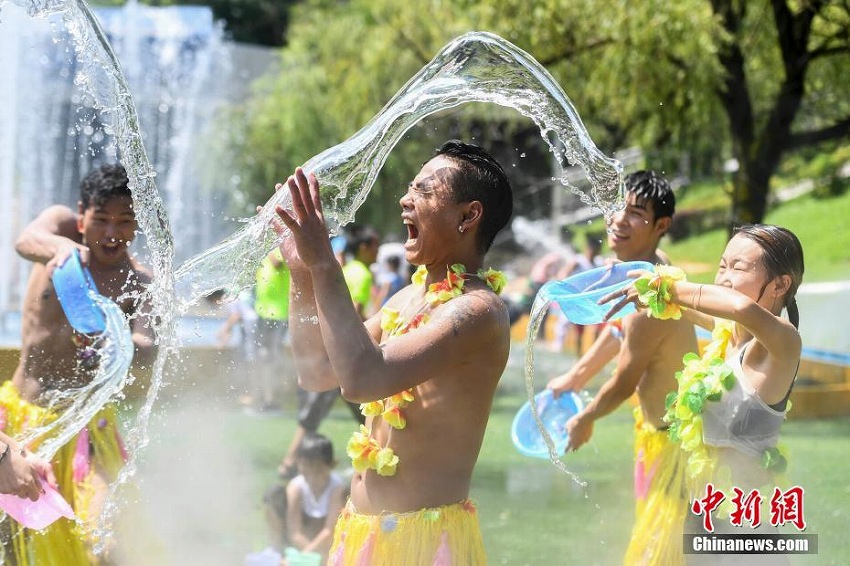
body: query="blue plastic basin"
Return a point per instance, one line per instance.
(578, 295)
(554, 413)
(76, 291)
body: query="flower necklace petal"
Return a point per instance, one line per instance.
(365, 452)
(705, 379)
(655, 291)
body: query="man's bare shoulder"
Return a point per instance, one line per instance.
(62, 219)
(403, 295)
(664, 337)
(480, 311)
(640, 328)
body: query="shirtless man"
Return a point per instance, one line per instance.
(51, 354)
(651, 350)
(425, 371)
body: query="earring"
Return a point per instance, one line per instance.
(460, 229)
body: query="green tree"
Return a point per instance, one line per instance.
(784, 86)
(708, 78)
(657, 73)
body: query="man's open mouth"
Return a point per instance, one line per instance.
(412, 231)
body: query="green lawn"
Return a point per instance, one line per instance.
(531, 513)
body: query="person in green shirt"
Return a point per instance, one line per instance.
(272, 307)
(361, 244)
(363, 248)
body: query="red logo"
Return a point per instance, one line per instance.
(785, 507)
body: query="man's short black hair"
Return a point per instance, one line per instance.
(652, 187)
(104, 183)
(394, 262)
(480, 177)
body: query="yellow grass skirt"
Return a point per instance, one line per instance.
(662, 502)
(440, 536)
(99, 446)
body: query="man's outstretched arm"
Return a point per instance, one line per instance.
(604, 349)
(51, 237)
(641, 343)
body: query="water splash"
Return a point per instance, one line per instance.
(476, 67)
(533, 235)
(538, 313)
(77, 406)
(99, 75)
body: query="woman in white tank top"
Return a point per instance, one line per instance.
(757, 278)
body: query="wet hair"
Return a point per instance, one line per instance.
(782, 254)
(358, 235)
(480, 177)
(652, 187)
(104, 183)
(316, 447)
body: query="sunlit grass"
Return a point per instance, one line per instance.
(533, 514)
(820, 224)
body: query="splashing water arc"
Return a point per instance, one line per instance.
(100, 76)
(539, 308)
(475, 67)
(76, 407)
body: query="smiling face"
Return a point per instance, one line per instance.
(742, 269)
(634, 232)
(108, 228)
(431, 215)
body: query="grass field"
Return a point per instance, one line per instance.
(209, 464)
(533, 514)
(821, 225)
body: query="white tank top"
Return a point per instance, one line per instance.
(741, 420)
(312, 506)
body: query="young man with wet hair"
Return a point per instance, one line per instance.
(649, 351)
(424, 370)
(54, 357)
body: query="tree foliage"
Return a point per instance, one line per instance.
(707, 79)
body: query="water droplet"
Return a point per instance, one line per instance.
(470, 63)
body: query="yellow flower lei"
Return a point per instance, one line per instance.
(704, 379)
(364, 451)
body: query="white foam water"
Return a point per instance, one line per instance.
(475, 67)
